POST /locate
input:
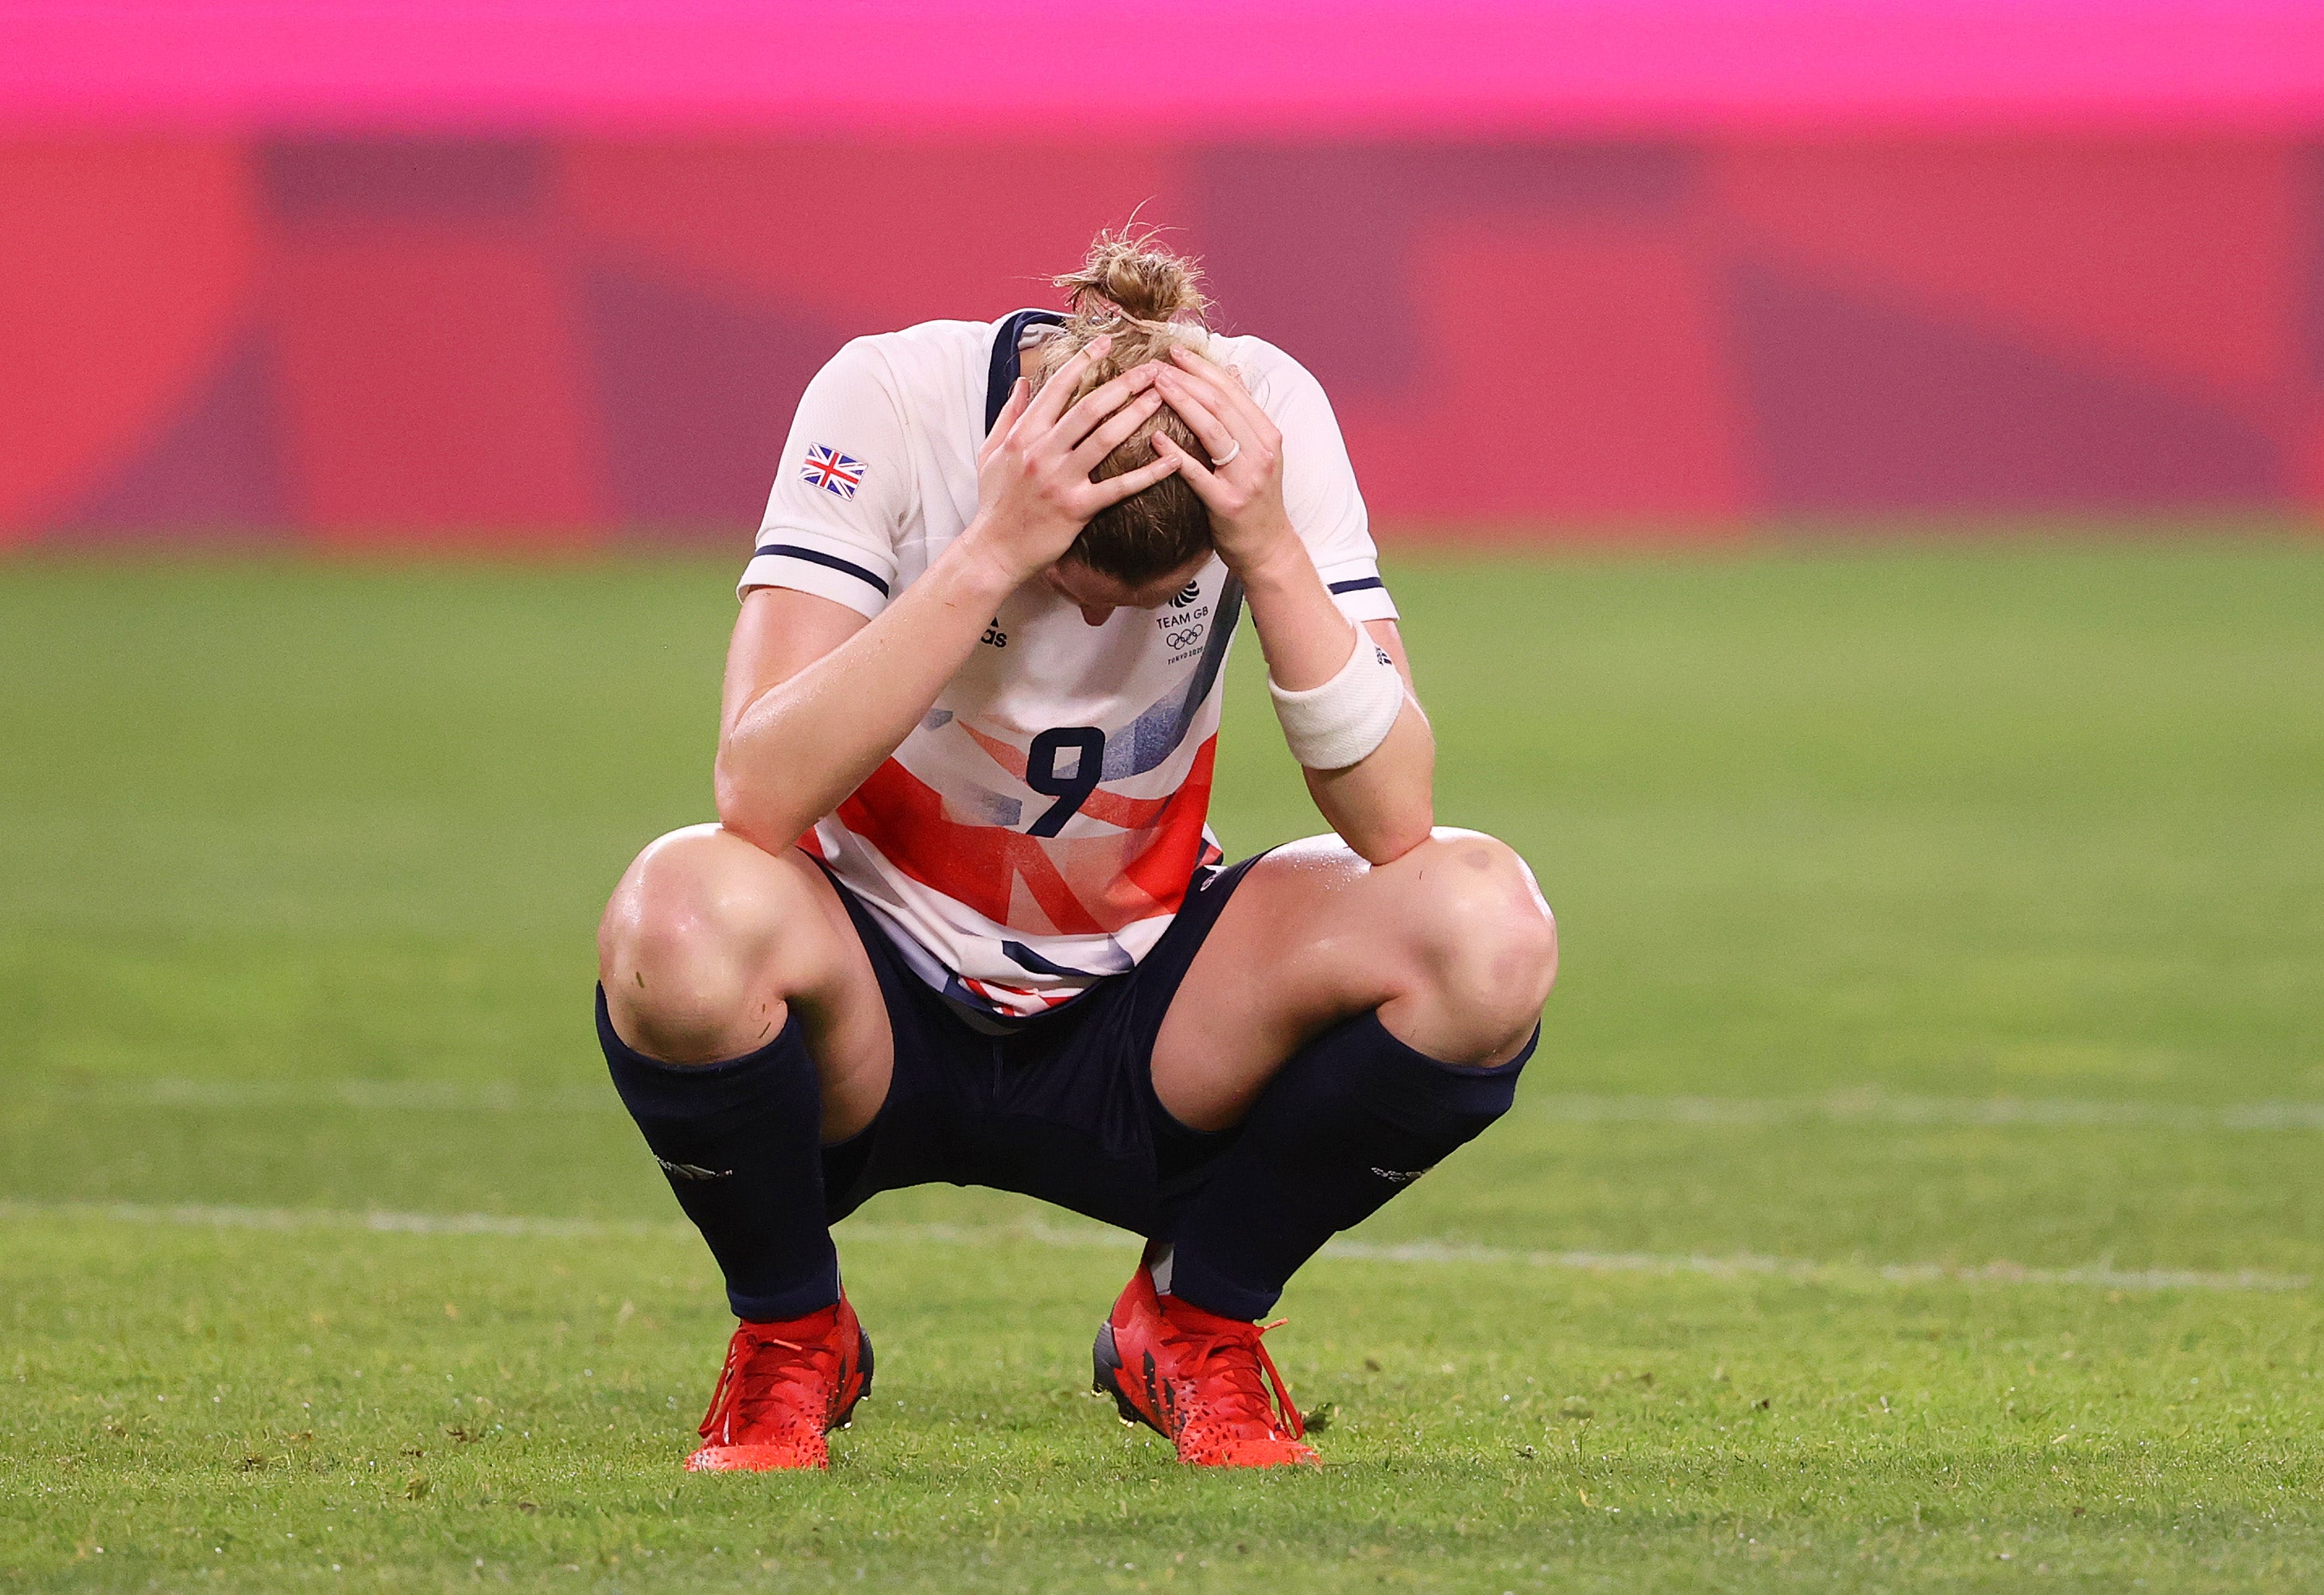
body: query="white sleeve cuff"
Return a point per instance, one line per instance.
(809, 562)
(1357, 588)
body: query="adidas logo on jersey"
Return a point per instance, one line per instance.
(1187, 593)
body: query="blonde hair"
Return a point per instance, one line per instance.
(1149, 299)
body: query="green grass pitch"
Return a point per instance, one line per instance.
(1918, 1186)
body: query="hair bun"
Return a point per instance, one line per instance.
(1131, 273)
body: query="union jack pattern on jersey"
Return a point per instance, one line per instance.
(832, 471)
(1039, 827)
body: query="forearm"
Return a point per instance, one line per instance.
(796, 750)
(811, 709)
(1383, 806)
(1301, 630)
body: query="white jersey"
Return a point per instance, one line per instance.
(1038, 830)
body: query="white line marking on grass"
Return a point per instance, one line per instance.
(441, 1096)
(1872, 1105)
(1864, 1105)
(1993, 1273)
(1038, 1232)
(378, 1220)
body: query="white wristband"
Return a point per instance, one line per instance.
(1340, 723)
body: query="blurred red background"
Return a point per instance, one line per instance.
(422, 324)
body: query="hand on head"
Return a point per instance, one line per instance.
(1033, 487)
(1242, 486)
(1091, 471)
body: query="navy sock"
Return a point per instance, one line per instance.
(1354, 1118)
(741, 1143)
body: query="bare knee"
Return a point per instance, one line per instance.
(1484, 945)
(689, 943)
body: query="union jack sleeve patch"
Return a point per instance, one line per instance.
(832, 471)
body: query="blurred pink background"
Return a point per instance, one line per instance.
(482, 272)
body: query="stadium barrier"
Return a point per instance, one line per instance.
(366, 338)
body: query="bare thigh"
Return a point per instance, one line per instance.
(709, 946)
(1451, 944)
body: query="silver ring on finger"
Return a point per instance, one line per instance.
(1229, 456)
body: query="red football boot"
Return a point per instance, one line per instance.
(1197, 1379)
(784, 1386)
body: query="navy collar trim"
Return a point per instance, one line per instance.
(1005, 367)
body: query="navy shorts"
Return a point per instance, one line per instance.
(1062, 1107)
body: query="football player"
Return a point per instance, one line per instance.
(961, 919)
